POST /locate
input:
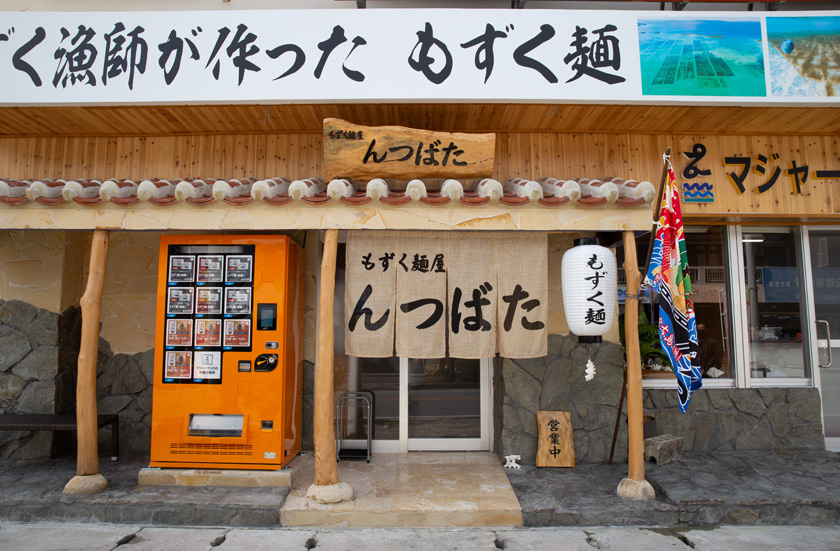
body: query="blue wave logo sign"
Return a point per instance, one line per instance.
(698, 193)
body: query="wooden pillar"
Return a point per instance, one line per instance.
(326, 470)
(635, 435)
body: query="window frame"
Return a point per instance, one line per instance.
(738, 313)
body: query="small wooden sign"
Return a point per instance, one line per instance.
(361, 153)
(556, 445)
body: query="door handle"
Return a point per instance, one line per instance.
(827, 342)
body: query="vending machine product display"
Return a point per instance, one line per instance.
(228, 352)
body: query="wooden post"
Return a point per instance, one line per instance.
(91, 303)
(88, 479)
(326, 470)
(635, 435)
(656, 207)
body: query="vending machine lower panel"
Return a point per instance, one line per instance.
(228, 363)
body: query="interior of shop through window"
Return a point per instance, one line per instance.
(710, 285)
(775, 308)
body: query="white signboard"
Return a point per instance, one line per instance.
(208, 365)
(414, 55)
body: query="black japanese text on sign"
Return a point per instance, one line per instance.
(312, 54)
(760, 172)
(359, 152)
(428, 294)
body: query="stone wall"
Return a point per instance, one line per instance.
(38, 367)
(556, 383)
(124, 386)
(741, 419)
(37, 373)
(717, 419)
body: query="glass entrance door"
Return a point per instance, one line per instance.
(445, 404)
(434, 404)
(437, 405)
(825, 274)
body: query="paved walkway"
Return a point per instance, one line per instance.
(414, 489)
(98, 537)
(747, 487)
(738, 487)
(31, 491)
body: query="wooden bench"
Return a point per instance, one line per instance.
(62, 422)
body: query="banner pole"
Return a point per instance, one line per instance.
(666, 158)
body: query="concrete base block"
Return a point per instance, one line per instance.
(636, 490)
(664, 449)
(331, 493)
(83, 485)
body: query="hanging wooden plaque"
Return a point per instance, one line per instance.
(360, 153)
(556, 445)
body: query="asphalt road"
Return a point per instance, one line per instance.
(108, 537)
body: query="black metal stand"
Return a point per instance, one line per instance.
(341, 411)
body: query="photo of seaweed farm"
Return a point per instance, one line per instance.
(804, 55)
(681, 57)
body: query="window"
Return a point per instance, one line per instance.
(774, 305)
(707, 260)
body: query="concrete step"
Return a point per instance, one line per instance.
(158, 476)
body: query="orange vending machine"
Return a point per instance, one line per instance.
(228, 352)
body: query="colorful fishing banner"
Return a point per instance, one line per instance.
(668, 275)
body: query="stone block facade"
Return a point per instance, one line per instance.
(38, 367)
(556, 383)
(124, 386)
(741, 418)
(717, 419)
(37, 373)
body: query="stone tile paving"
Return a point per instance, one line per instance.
(32, 490)
(753, 487)
(416, 489)
(583, 496)
(68, 536)
(737, 487)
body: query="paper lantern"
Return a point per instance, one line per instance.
(589, 289)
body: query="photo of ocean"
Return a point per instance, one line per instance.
(804, 56)
(681, 57)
